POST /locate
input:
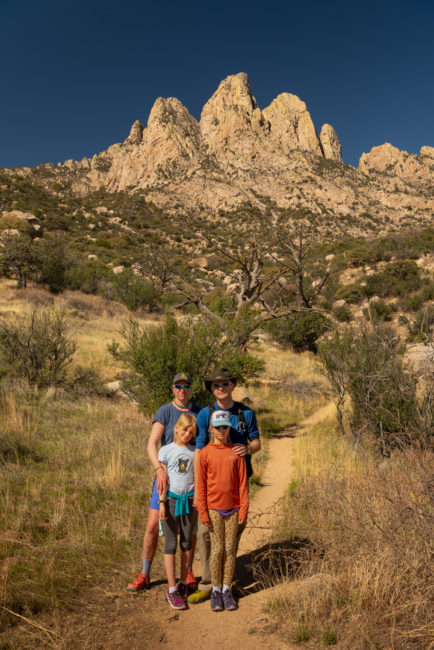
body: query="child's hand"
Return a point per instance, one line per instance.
(241, 521)
(163, 512)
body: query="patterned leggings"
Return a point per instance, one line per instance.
(223, 533)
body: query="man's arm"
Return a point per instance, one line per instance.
(154, 439)
(254, 444)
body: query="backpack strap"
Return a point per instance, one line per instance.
(242, 420)
(211, 409)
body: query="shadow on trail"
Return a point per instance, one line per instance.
(290, 432)
(270, 564)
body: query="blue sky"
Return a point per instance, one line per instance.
(75, 74)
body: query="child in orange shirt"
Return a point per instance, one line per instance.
(223, 503)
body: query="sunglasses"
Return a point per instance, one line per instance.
(221, 383)
(221, 426)
(182, 386)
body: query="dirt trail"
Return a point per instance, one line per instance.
(111, 618)
(202, 628)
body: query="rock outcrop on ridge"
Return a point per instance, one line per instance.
(238, 153)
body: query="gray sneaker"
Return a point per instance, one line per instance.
(229, 601)
(216, 601)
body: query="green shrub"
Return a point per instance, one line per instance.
(367, 366)
(87, 276)
(379, 310)
(422, 327)
(300, 332)
(397, 279)
(156, 354)
(38, 348)
(352, 293)
(342, 314)
(136, 292)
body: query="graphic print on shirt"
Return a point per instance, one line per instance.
(183, 465)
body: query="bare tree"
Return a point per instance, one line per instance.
(260, 263)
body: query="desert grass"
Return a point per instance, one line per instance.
(364, 570)
(290, 390)
(74, 484)
(94, 322)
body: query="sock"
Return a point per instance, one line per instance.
(226, 587)
(146, 567)
(216, 589)
(171, 590)
(181, 582)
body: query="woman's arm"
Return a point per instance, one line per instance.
(162, 496)
(154, 439)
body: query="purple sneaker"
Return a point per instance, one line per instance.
(182, 590)
(175, 600)
(216, 601)
(229, 601)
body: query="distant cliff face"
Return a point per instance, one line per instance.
(238, 153)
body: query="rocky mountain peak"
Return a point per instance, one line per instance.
(330, 143)
(136, 133)
(291, 125)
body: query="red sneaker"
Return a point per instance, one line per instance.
(141, 582)
(191, 580)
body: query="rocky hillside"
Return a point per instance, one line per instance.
(239, 154)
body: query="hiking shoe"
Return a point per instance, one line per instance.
(229, 601)
(191, 580)
(182, 590)
(174, 599)
(141, 582)
(198, 596)
(216, 601)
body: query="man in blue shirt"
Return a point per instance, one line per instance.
(245, 436)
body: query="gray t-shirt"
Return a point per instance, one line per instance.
(179, 461)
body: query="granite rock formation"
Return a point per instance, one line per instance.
(238, 153)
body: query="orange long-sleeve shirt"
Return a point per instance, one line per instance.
(221, 481)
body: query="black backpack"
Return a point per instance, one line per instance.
(240, 414)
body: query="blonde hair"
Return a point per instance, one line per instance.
(185, 420)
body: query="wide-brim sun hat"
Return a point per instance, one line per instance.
(219, 374)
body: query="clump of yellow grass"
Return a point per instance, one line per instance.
(365, 566)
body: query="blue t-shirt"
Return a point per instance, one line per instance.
(236, 433)
(168, 415)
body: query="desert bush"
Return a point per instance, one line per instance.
(421, 328)
(397, 279)
(378, 310)
(366, 571)
(38, 348)
(352, 293)
(19, 255)
(87, 276)
(156, 354)
(366, 365)
(300, 332)
(135, 292)
(342, 313)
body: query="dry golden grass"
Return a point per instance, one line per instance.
(94, 321)
(365, 565)
(74, 481)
